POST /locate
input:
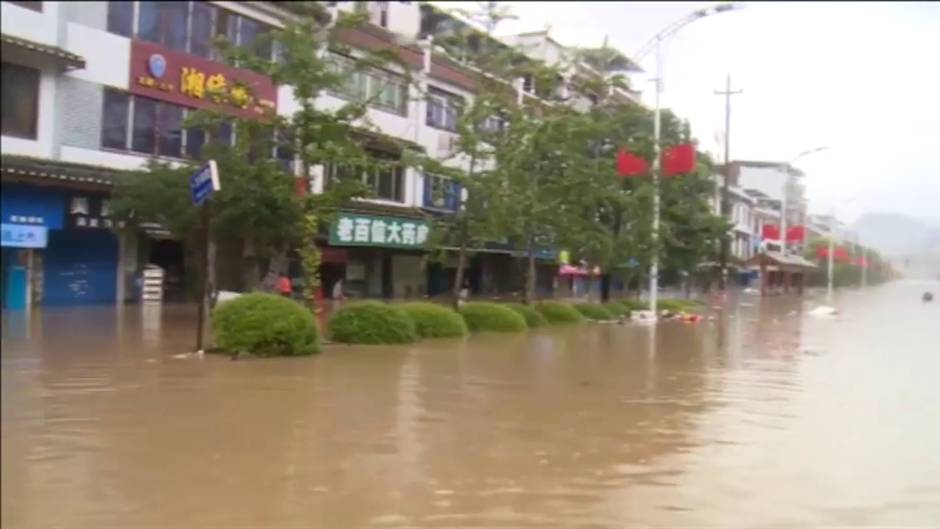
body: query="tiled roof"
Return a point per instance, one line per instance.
(70, 59)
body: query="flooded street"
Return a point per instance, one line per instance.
(765, 417)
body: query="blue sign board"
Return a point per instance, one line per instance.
(24, 236)
(204, 182)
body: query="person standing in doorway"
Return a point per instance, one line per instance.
(284, 286)
(338, 295)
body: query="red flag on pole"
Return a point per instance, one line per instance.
(679, 159)
(629, 164)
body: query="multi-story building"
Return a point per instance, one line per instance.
(777, 186)
(91, 89)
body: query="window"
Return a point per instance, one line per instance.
(164, 23)
(441, 192)
(249, 33)
(384, 182)
(121, 18)
(35, 6)
(144, 136)
(384, 90)
(187, 26)
(20, 100)
(156, 127)
(444, 110)
(114, 120)
(200, 33)
(493, 124)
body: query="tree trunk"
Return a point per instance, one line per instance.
(458, 277)
(605, 288)
(251, 270)
(528, 293)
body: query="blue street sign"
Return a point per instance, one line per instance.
(204, 182)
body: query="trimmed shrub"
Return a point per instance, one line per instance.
(372, 322)
(532, 317)
(634, 304)
(593, 311)
(677, 305)
(435, 321)
(556, 312)
(484, 316)
(617, 309)
(265, 325)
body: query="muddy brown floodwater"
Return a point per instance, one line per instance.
(765, 417)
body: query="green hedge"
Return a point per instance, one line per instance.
(593, 311)
(483, 316)
(556, 312)
(677, 305)
(532, 317)
(617, 309)
(265, 325)
(372, 322)
(634, 304)
(435, 321)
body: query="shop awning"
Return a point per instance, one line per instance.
(27, 49)
(778, 261)
(51, 172)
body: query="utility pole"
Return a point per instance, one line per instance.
(726, 185)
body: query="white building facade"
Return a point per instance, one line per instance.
(94, 88)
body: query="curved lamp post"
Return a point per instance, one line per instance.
(655, 45)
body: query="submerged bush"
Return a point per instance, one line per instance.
(265, 325)
(677, 305)
(484, 316)
(372, 322)
(435, 321)
(556, 312)
(593, 311)
(617, 309)
(532, 317)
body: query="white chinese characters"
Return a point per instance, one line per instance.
(379, 231)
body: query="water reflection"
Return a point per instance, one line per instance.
(727, 423)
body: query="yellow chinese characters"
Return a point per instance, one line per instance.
(193, 82)
(240, 96)
(216, 86)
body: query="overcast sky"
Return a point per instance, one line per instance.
(859, 78)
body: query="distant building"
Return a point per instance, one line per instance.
(776, 186)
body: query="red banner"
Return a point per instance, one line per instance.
(770, 232)
(679, 159)
(794, 233)
(186, 80)
(629, 164)
(840, 255)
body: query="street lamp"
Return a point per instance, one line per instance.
(830, 257)
(786, 189)
(655, 45)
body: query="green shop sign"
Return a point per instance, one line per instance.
(367, 230)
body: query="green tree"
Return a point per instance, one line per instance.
(258, 202)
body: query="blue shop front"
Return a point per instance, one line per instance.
(58, 247)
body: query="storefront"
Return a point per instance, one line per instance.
(59, 247)
(376, 256)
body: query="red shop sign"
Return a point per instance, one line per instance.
(163, 74)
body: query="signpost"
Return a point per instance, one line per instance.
(202, 184)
